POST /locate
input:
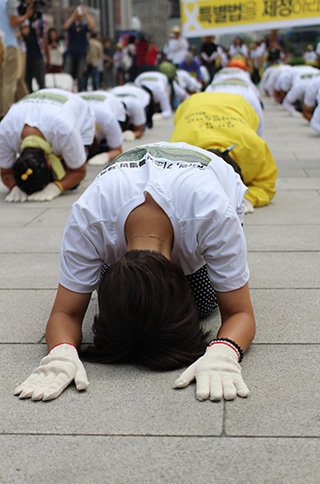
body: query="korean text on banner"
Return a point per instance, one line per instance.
(210, 17)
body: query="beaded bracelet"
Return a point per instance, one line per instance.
(230, 343)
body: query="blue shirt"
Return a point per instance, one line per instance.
(8, 7)
(193, 68)
(77, 39)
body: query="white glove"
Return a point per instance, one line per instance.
(248, 207)
(157, 116)
(48, 193)
(16, 195)
(217, 373)
(56, 371)
(128, 135)
(99, 160)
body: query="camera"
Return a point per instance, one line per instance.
(38, 8)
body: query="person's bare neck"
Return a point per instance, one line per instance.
(30, 131)
(149, 228)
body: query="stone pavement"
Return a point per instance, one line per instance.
(131, 427)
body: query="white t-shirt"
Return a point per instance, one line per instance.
(315, 120)
(152, 79)
(135, 99)
(158, 84)
(134, 91)
(107, 125)
(238, 51)
(65, 120)
(176, 49)
(187, 81)
(199, 192)
(269, 85)
(301, 80)
(286, 79)
(109, 102)
(310, 97)
(236, 73)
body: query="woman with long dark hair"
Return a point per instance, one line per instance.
(159, 235)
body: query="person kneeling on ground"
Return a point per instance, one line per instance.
(160, 228)
(44, 127)
(218, 120)
(109, 113)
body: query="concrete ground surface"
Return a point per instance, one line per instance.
(131, 426)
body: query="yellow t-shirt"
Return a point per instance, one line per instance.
(219, 120)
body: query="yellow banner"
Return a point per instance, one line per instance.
(205, 17)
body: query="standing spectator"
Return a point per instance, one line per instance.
(10, 21)
(176, 47)
(108, 53)
(310, 56)
(55, 61)
(118, 65)
(94, 56)
(238, 50)
(130, 54)
(318, 51)
(76, 54)
(141, 46)
(208, 55)
(21, 87)
(152, 55)
(37, 50)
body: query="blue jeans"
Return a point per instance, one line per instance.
(94, 74)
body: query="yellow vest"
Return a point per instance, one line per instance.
(219, 120)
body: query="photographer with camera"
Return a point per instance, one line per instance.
(36, 39)
(10, 21)
(76, 54)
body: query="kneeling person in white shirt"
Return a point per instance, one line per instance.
(50, 129)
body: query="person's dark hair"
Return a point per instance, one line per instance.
(227, 158)
(52, 29)
(31, 171)
(147, 315)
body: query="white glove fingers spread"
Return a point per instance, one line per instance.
(217, 372)
(47, 194)
(16, 195)
(56, 371)
(203, 386)
(26, 388)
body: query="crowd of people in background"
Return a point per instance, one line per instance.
(33, 49)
